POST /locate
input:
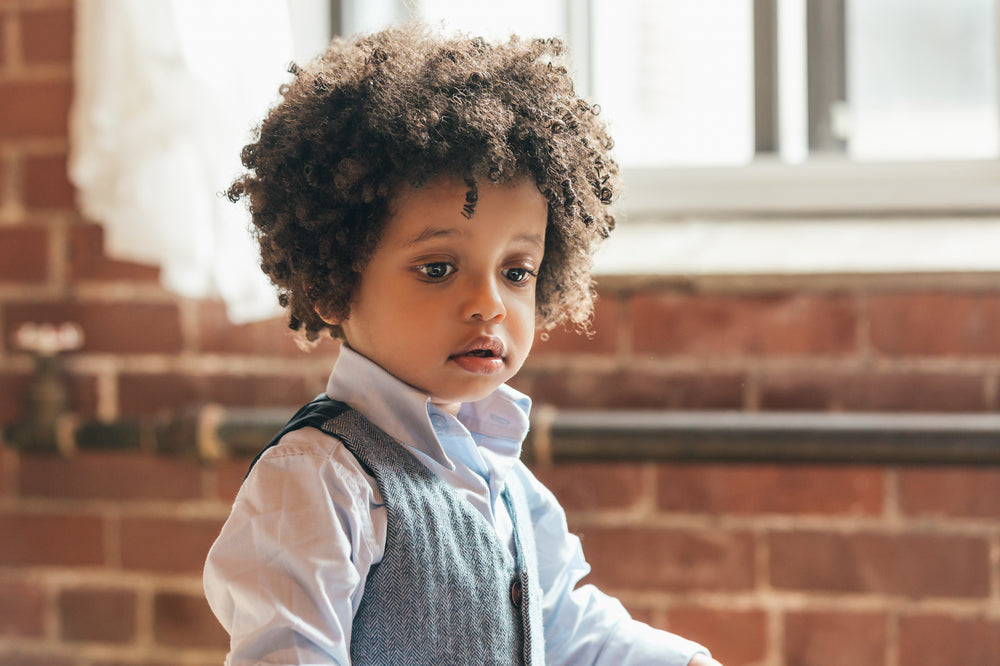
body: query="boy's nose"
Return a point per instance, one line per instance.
(483, 301)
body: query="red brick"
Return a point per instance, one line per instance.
(46, 183)
(761, 489)
(41, 109)
(734, 637)
(22, 609)
(47, 35)
(706, 325)
(24, 254)
(45, 539)
(9, 461)
(830, 638)
(110, 476)
(912, 565)
(935, 392)
(267, 338)
(14, 657)
(523, 382)
(812, 391)
(891, 392)
(229, 476)
(166, 544)
(121, 328)
(14, 389)
(12, 394)
(958, 492)
(590, 486)
(182, 620)
(931, 640)
(87, 260)
(637, 390)
(144, 394)
(645, 614)
(83, 395)
(649, 558)
(602, 338)
(95, 614)
(936, 324)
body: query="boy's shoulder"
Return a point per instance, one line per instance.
(315, 415)
(308, 441)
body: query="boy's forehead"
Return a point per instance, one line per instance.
(437, 210)
(440, 190)
(453, 194)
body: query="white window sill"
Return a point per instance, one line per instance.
(827, 216)
(802, 246)
(820, 186)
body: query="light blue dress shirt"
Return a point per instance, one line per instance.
(288, 570)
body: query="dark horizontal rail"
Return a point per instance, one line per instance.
(594, 435)
(849, 438)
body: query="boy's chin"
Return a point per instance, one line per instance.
(455, 400)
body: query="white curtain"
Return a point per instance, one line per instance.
(167, 92)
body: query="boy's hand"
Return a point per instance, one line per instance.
(703, 660)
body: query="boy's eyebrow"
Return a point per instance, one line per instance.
(432, 232)
(534, 239)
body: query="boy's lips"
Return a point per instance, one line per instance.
(483, 356)
(484, 346)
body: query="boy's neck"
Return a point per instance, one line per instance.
(451, 407)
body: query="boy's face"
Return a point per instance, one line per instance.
(447, 304)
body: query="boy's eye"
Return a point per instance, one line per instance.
(437, 270)
(518, 274)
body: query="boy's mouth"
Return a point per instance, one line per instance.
(483, 356)
(483, 347)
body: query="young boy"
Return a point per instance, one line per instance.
(427, 200)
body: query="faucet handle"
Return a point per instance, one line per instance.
(48, 339)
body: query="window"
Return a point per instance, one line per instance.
(921, 79)
(717, 81)
(737, 116)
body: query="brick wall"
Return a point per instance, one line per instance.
(777, 565)
(771, 565)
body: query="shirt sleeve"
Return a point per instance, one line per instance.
(582, 624)
(287, 571)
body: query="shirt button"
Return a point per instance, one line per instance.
(516, 593)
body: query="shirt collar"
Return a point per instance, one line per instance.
(404, 412)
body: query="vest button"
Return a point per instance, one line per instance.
(516, 593)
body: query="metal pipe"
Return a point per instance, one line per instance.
(814, 437)
(212, 431)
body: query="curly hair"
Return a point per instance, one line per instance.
(405, 106)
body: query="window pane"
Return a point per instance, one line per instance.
(793, 96)
(498, 20)
(675, 79)
(311, 23)
(921, 78)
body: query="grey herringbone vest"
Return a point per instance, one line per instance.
(446, 591)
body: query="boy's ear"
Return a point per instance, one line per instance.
(328, 318)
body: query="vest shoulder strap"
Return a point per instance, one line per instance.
(313, 415)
